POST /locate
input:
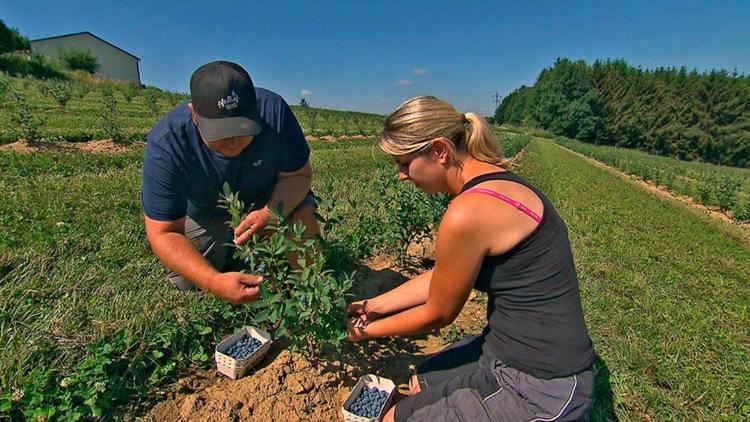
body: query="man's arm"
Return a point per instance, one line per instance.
(290, 189)
(177, 252)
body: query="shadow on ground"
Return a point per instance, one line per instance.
(603, 408)
(387, 357)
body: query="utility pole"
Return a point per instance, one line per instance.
(496, 97)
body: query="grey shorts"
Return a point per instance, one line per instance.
(210, 237)
(460, 384)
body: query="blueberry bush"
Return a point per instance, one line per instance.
(28, 124)
(301, 298)
(109, 115)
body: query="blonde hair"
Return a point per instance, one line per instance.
(417, 121)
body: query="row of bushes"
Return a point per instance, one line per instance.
(25, 64)
(73, 109)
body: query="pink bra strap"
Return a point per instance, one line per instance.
(513, 202)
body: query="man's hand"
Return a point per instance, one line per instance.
(235, 287)
(253, 223)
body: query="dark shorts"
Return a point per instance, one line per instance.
(461, 384)
(210, 236)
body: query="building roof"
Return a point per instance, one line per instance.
(89, 33)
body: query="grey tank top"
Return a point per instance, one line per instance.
(534, 316)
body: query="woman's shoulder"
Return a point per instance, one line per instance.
(467, 213)
(497, 224)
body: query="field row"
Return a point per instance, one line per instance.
(725, 187)
(78, 110)
(72, 275)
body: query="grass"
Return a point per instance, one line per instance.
(665, 289)
(665, 292)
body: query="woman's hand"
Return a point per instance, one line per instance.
(363, 310)
(360, 314)
(357, 329)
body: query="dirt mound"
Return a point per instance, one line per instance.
(289, 387)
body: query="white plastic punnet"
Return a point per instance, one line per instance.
(369, 380)
(234, 368)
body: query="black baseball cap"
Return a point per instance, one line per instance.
(223, 96)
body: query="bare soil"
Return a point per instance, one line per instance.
(100, 146)
(331, 138)
(286, 387)
(111, 146)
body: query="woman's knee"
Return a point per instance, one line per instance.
(389, 415)
(414, 387)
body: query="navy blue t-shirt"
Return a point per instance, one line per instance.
(182, 176)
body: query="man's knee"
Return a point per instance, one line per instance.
(306, 214)
(180, 282)
(208, 238)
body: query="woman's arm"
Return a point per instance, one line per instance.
(460, 251)
(409, 294)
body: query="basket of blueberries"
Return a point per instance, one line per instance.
(238, 353)
(369, 399)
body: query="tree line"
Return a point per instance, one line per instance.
(670, 111)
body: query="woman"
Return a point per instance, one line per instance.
(500, 235)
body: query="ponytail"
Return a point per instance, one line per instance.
(416, 122)
(481, 143)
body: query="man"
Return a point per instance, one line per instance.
(230, 132)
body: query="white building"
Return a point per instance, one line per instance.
(114, 62)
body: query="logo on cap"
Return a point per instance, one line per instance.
(231, 101)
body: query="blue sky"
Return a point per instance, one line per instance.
(370, 56)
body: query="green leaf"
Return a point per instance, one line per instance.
(258, 304)
(199, 356)
(263, 316)
(281, 332)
